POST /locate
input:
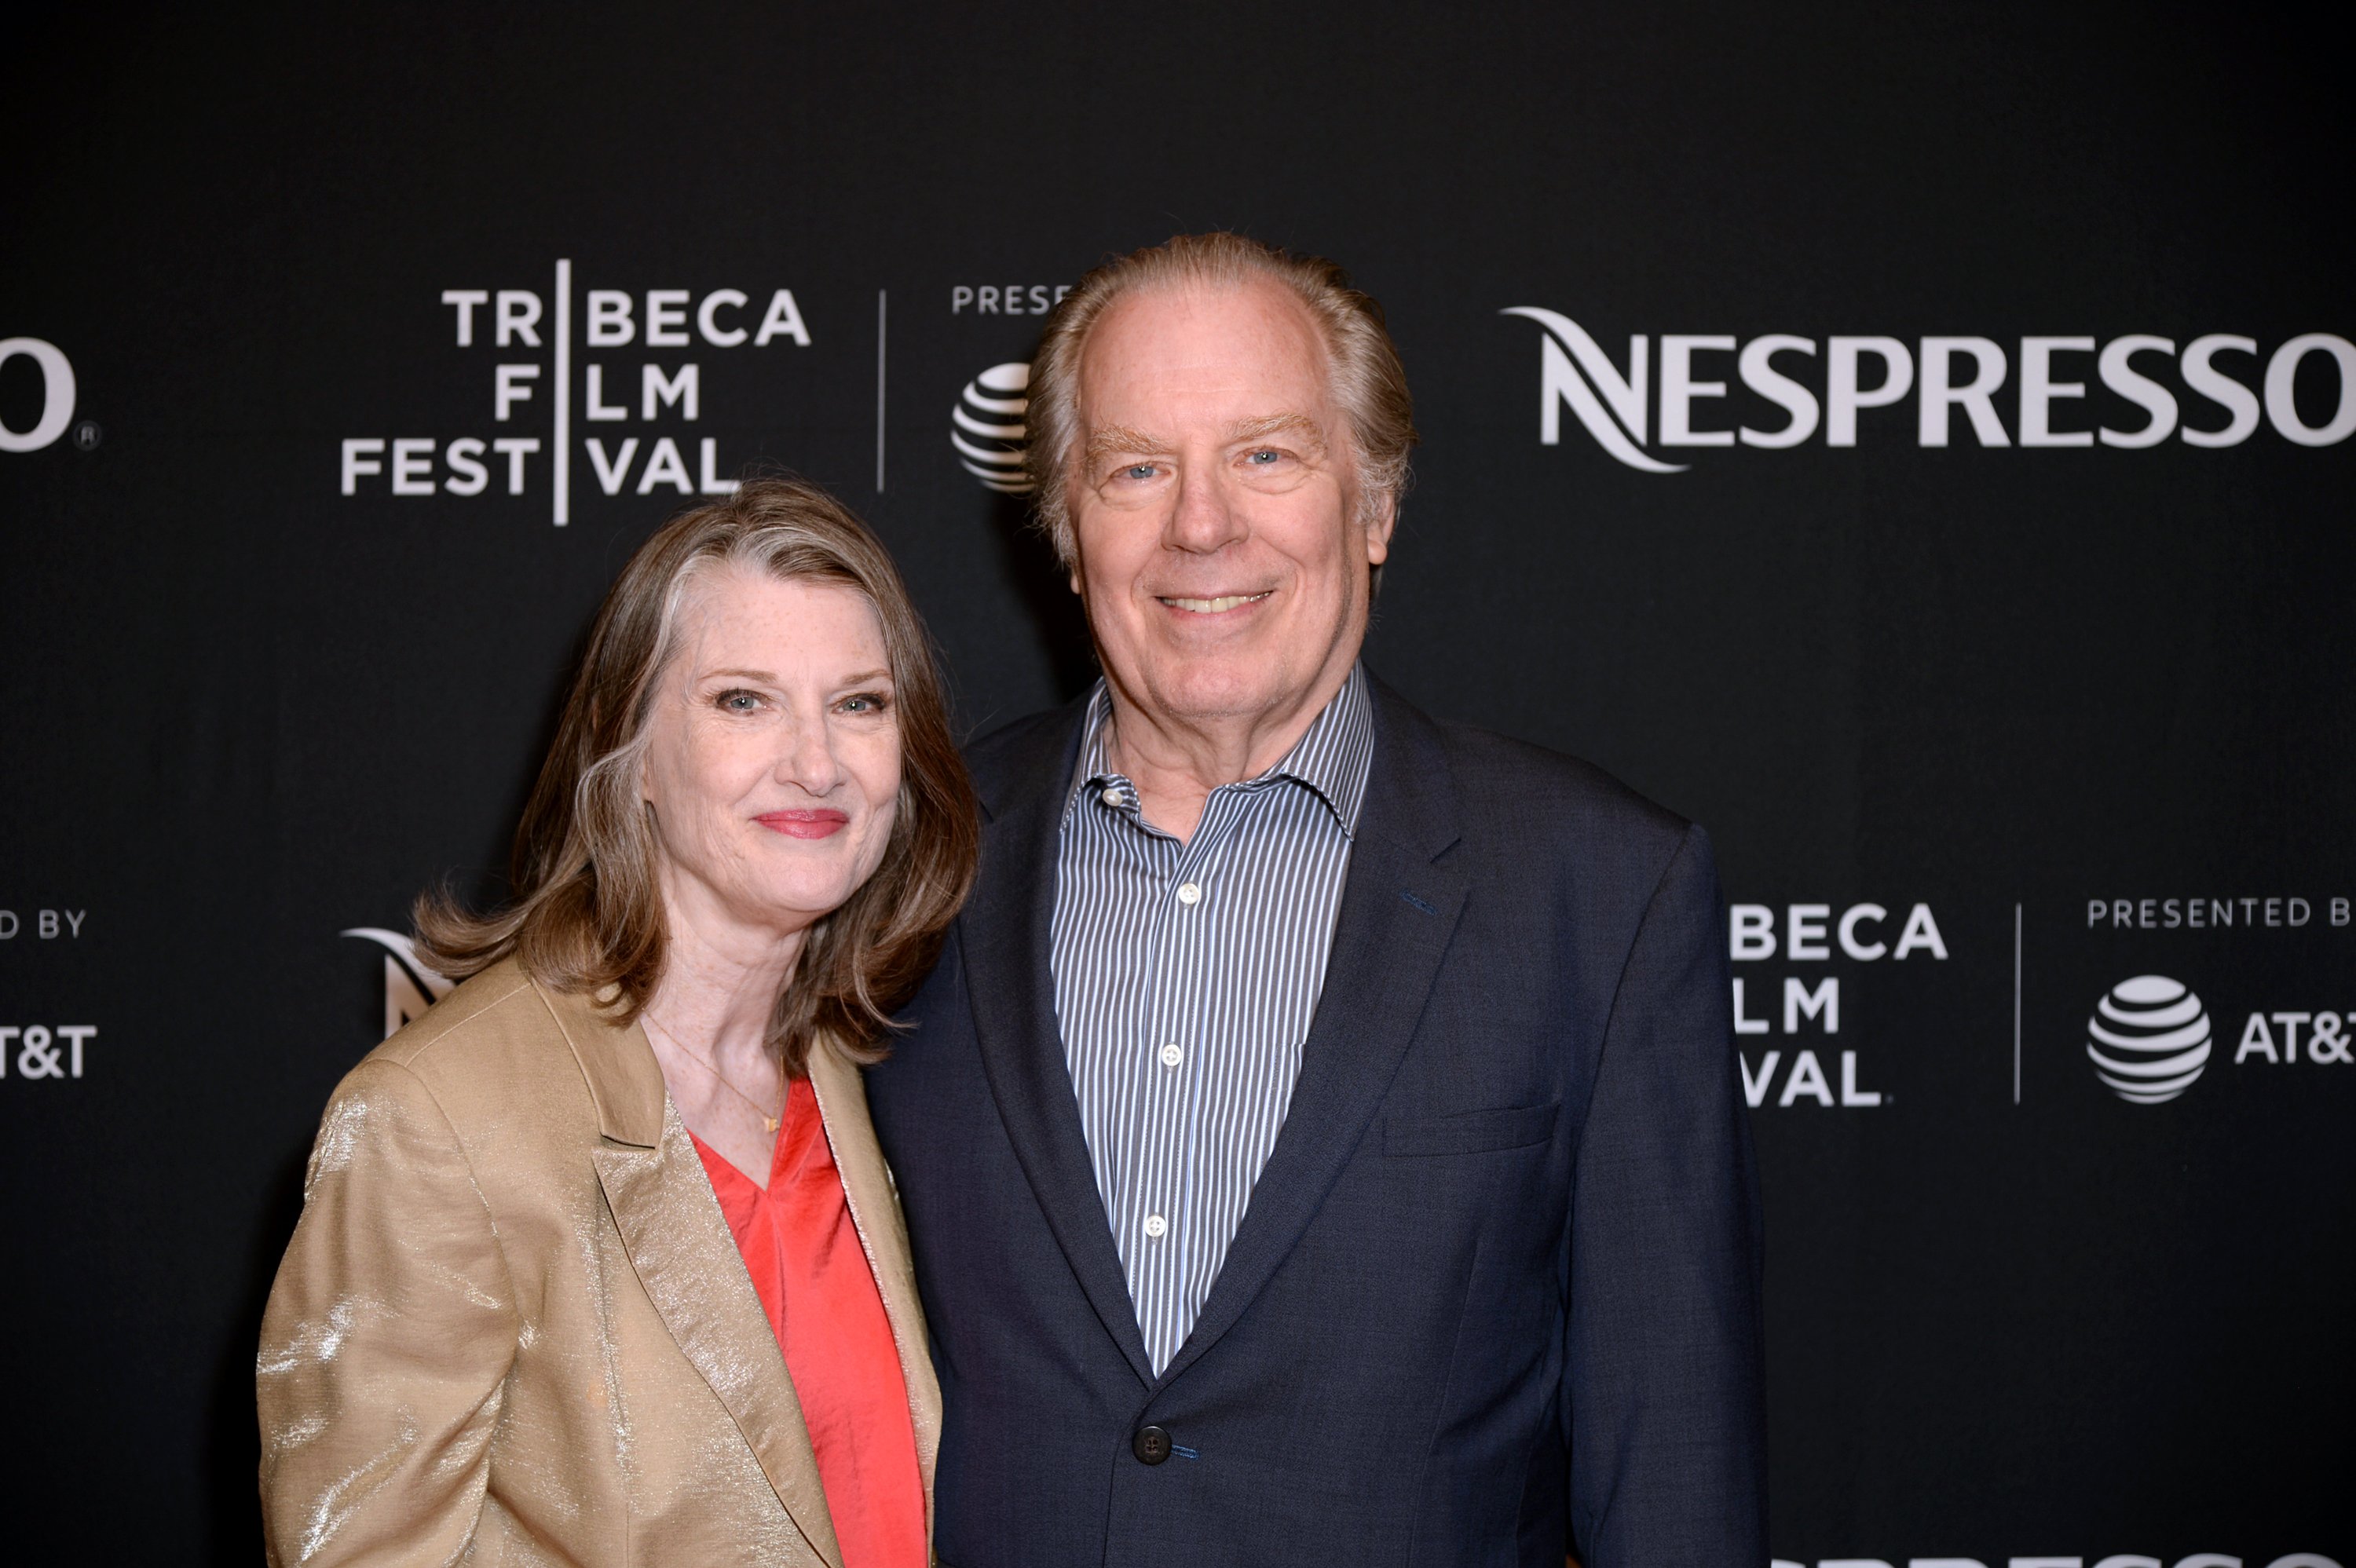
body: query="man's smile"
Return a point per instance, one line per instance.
(1218, 606)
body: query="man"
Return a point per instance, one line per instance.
(1320, 1139)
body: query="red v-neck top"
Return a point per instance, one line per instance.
(813, 1279)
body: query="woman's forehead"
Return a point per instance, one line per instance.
(732, 611)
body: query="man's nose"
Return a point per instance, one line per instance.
(1205, 518)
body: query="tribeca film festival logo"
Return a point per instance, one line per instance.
(30, 1053)
(410, 988)
(1811, 1001)
(531, 348)
(2219, 372)
(2151, 1037)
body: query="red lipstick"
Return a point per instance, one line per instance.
(818, 824)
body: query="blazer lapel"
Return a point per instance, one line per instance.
(874, 1203)
(1399, 909)
(679, 1247)
(1004, 938)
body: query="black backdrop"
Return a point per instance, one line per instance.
(2012, 1314)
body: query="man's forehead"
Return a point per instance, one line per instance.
(1253, 331)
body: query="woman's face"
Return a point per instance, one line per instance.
(773, 754)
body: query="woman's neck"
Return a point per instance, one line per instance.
(720, 976)
(708, 1022)
(717, 997)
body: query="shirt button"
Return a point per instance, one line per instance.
(1114, 797)
(1155, 1225)
(1172, 1055)
(1189, 894)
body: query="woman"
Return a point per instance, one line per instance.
(599, 1261)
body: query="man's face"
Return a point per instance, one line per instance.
(1222, 555)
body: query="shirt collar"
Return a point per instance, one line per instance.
(1333, 757)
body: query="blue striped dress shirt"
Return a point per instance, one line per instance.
(1186, 974)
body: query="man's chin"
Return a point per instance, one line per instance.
(1206, 689)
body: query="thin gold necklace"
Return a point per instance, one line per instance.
(769, 1123)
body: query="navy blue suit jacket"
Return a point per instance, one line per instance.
(1496, 1293)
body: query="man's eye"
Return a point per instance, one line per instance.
(1138, 470)
(1264, 457)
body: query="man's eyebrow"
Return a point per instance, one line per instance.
(1272, 425)
(1121, 438)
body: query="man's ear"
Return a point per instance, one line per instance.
(1378, 530)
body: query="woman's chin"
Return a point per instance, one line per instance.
(794, 904)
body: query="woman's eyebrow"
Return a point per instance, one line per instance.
(767, 677)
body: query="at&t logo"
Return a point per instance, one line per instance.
(988, 431)
(2148, 1039)
(44, 1050)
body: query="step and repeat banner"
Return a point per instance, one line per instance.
(1914, 444)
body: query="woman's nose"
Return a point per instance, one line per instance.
(808, 759)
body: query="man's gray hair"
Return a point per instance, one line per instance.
(1367, 379)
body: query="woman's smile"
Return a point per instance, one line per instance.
(818, 824)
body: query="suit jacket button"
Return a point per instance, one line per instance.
(1151, 1444)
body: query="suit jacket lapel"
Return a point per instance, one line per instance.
(1004, 938)
(679, 1247)
(1399, 909)
(874, 1203)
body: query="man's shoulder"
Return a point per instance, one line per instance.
(1530, 794)
(1485, 760)
(1551, 828)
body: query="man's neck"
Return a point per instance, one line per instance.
(1176, 761)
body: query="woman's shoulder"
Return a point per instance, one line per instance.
(497, 1044)
(501, 1006)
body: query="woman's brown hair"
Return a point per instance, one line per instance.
(587, 912)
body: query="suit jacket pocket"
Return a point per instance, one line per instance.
(1474, 1132)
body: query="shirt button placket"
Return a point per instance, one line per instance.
(1191, 942)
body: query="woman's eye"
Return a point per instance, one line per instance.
(866, 702)
(739, 701)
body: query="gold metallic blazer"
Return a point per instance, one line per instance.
(512, 1325)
